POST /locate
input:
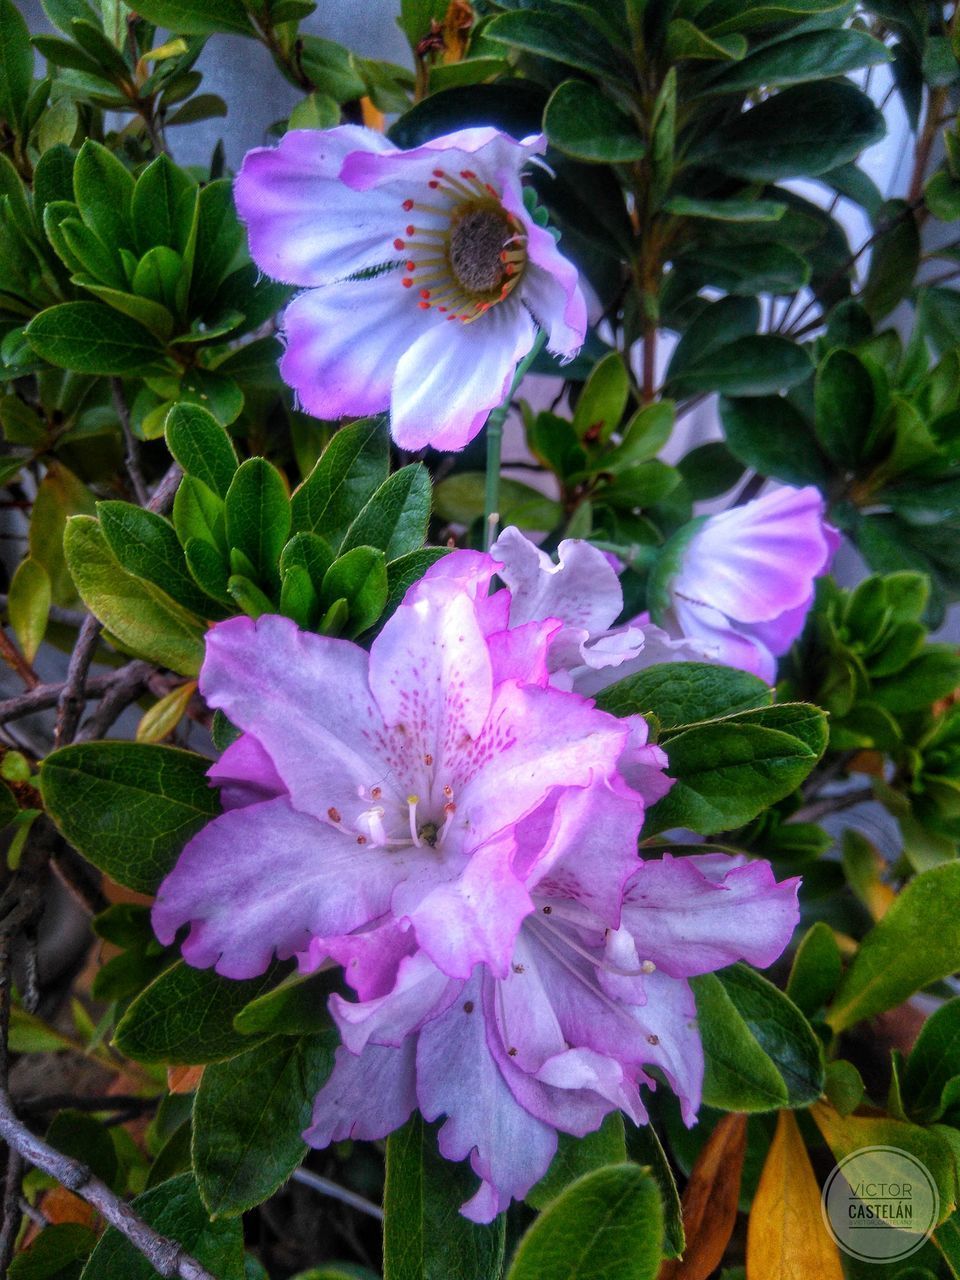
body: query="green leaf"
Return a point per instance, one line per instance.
(248, 1118)
(738, 1074)
(557, 34)
(768, 268)
(186, 1015)
(425, 1237)
(316, 111)
(460, 498)
(771, 435)
(607, 1225)
(59, 496)
(29, 605)
(735, 209)
(89, 337)
(643, 437)
(128, 807)
(719, 324)
(890, 965)
(349, 472)
(934, 674)
(152, 315)
(845, 406)
(728, 771)
(16, 65)
(103, 187)
(147, 547)
(331, 68)
(757, 365)
(684, 40)
(780, 1029)
(219, 238)
(396, 517)
(174, 1208)
(157, 197)
(585, 123)
(816, 969)
(602, 400)
(933, 1063)
(812, 55)
(295, 1007)
(893, 260)
(360, 578)
(53, 177)
(201, 446)
(709, 470)
(577, 1156)
(258, 517)
(800, 132)
(197, 17)
(82, 1136)
(55, 1254)
(141, 616)
(684, 693)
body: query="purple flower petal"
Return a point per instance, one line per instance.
(366, 1097)
(245, 774)
(280, 191)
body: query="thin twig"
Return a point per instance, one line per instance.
(43, 1103)
(125, 688)
(132, 460)
(15, 659)
(72, 697)
(10, 1225)
(167, 1257)
(163, 494)
(327, 1188)
(45, 696)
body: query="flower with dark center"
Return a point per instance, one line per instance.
(426, 274)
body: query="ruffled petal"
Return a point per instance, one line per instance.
(366, 1097)
(370, 958)
(721, 641)
(306, 700)
(690, 920)
(344, 342)
(668, 1024)
(421, 992)
(453, 375)
(509, 1149)
(245, 774)
(756, 561)
(483, 149)
(262, 880)
(304, 225)
(581, 589)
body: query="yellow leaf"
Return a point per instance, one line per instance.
(786, 1236)
(164, 716)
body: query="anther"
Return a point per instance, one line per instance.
(548, 911)
(424, 306)
(375, 793)
(407, 282)
(438, 173)
(653, 1039)
(468, 1006)
(467, 173)
(512, 1052)
(410, 265)
(447, 790)
(647, 966)
(361, 839)
(334, 814)
(411, 230)
(399, 244)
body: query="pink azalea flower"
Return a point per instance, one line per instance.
(746, 577)
(390, 785)
(567, 1035)
(425, 275)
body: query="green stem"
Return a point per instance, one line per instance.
(491, 493)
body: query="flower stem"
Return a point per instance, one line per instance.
(491, 493)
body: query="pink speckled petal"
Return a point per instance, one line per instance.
(482, 149)
(260, 881)
(304, 225)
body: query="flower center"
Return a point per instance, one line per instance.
(468, 253)
(387, 824)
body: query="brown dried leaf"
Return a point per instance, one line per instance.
(710, 1202)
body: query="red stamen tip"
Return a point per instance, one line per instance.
(424, 306)
(424, 293)
(411, 230)
(510, 269)
(467, 173)
(493, 190)
(411, 265)
(407, 282)
(408, 205)
(441, 308)
(399, 244)
(433, 184)
(438, 173)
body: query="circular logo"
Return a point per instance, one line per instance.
(880, 1204)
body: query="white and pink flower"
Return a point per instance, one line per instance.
(425, 274)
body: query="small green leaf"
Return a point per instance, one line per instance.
(89, 337)
(360, 578)
(684, 693)
(934, 1063)
(16, 65)
(585, 123)
(248, 1116)
(29, 605)
(103, 187)
(201, 446)
(186, 1015)
(608, 1225)
(128, 807)
(258, 518)
(816, 969)
(577, 1156)
(147, 547)
(425, 1237)
(156, 197)
(890, 965)
(396, 517)
(349, 472)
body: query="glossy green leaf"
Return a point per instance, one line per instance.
(607, 1225)
(141, 615)
(16, 64)
(156, 205)
(890, 966)
(359, 577)
(147, 547)
(103, 188)
(558, 34)
(128, 807)
(396, 517)
(459, 498)
(771, 435)
(186, 1016)
(578, 1156)
(603, 399)
(933, 1064)
(248, 1117)
(816, 969)
(296, 1007)
(728, 771)
(258, 517)
(583, 122)
(174, 1209)
(811, 55)
(29, 605)
(349, 472)
(55, 1254)
(752, 366)
(684, 693)
(201, 446)
(425, 1237)
(197, 17)
(90, 337)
